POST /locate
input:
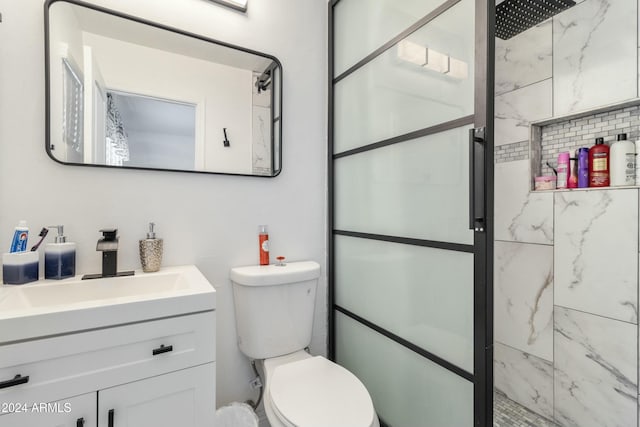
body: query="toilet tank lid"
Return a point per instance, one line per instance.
(269, 275)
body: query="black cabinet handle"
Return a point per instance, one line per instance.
(80, 422)
(477, 144)
(111, 414)
(18, 379)
(162, 349)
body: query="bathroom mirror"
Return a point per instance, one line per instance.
(127, 93)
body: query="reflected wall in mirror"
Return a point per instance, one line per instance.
(125, 92)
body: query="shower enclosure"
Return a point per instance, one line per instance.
(411, 206)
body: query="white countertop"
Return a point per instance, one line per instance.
(53, 307)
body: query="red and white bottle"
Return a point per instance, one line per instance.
(263, 239)
(599, 164)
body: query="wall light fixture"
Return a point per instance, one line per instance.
(433, 60)
(240, 5)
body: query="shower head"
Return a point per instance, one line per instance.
(516, 16)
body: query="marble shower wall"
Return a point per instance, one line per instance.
(595, 339)
(566, 332)
(595, 370)
(595, 61)
(596, 252)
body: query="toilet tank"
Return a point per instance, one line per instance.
(274, 307)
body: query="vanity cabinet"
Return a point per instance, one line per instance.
(78, 411)
(182, 398)
(158, 373)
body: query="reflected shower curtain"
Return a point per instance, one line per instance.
(116, 144)
(72, 112)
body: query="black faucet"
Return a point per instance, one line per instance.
(108, 245)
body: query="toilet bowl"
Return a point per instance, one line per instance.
(274, 317)
(310, 391)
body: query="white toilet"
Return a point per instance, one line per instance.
(274, 316)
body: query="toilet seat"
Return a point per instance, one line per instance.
(315, 392)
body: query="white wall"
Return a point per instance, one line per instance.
(207, 220)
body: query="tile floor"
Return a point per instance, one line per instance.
(507, 413)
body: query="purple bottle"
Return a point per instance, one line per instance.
(583, 167)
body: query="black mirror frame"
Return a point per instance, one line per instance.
(47, 55)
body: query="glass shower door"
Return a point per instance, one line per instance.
(410, 207)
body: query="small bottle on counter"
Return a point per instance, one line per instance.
(622, 161)
(599, 164)
(150, 251)
(59, 257)
(263, 242)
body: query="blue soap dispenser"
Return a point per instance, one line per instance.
(59, 257)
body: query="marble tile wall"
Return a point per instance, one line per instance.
(566, 332)
(516, 109)
(595, 370)
(523, 291)
(525, 379)
(521, 215)
(524, 59)
(595, 55)
(596, 252)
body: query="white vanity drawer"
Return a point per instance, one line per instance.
(72, 364)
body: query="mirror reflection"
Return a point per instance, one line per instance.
(128, 93)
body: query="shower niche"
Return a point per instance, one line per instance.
(567, 133)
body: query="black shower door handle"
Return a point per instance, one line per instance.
(477, 146)
(110, 418)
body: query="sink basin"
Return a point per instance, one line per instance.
(80, 291)
(54, 307)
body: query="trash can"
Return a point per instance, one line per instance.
(236, 414)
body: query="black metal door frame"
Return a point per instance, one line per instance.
(482, 248)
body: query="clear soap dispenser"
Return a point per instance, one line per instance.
(151, 251)
(59, 257)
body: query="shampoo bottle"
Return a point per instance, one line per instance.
(563, 170)
(599, 164)
(573, 171)
(583, 167)
(59, 257)
(623, 163)
(150, 251)
(263, 240)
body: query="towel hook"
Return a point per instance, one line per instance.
(226, 142)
